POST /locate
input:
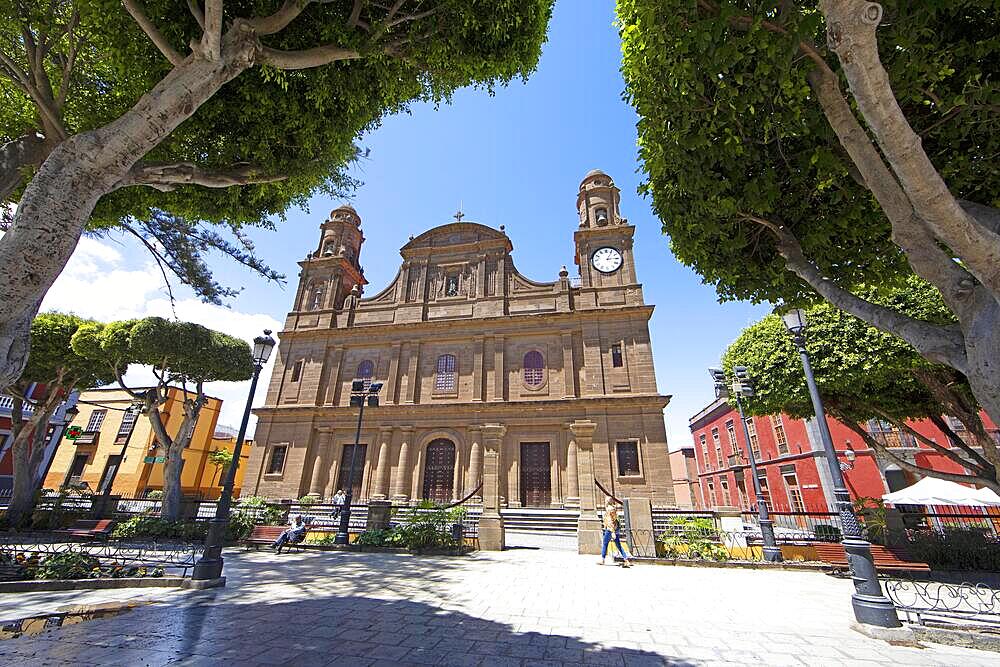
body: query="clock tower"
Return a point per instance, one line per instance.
(604, 246)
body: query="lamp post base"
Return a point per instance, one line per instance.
(773, 555)
(201, 584)
(870, 604)
(875, 611)
(209, 566)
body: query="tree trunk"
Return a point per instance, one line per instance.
(172, 469)
(172, 493)
(982, 343)
(58, 202)
(26, 457)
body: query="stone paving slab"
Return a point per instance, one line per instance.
(522, 607)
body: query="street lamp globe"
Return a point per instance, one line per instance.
(795, 320)
(262, 346)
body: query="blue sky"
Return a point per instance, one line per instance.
(514, 159)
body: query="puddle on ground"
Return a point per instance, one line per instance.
(33, 625)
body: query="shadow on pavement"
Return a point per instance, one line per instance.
(233, 626)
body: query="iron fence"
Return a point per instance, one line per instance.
(935, 603)
(172, 556)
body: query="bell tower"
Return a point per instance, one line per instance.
(333, 269)
(604, 244)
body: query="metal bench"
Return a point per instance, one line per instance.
(266, 535)
(885, 558)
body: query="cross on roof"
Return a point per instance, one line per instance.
(459, 215)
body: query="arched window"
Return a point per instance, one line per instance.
(366, 370)
(314, 295)
(444, 379)
(534, 368)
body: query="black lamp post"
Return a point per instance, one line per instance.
(743, 386)
(361, 392)
(870, 604)
(209, 566)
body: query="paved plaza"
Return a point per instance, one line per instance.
(526, 606)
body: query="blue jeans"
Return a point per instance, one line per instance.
(293, 536)
(608, 536)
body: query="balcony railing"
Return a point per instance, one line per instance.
(7, 404)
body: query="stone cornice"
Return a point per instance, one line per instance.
(475, 325)
(558, 408)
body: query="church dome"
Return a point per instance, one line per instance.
(594, 172)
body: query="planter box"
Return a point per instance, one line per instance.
(84, 584)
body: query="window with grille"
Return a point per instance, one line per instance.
(616, 356)
(277, 461)
(780, 438)
(724, 487)
(96, 420)
(718, 446)
(444, 378)
(297, 370)
(711, 493)
(534, 369)
(754, 442)
(128, 425)
(731, 434)
(765, 493)
(704, 451)
(628, 458)
(794, 493)
(366, 370)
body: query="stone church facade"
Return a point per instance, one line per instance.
(517, 392)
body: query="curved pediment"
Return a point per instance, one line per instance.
(456, 234)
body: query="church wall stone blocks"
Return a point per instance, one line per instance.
(527, 389)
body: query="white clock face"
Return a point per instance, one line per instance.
(606, 260)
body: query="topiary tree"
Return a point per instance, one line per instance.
(54, 364)
(220, 111)
(775, 184)
(182, 355)
(863, 374)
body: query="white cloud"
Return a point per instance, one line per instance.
(98, 282)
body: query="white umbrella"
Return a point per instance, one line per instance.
(933, 491)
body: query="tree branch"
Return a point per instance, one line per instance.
(851, 26)
(942, 343)
(957, 443)
(167, 177)
(160, 261)
(987, 216)
(354, 20)
(28, 150)
(879, 447)
(211, 40)
(135, 8)
(278, 21)
(306, 58)
(946, 452)
(195, 8)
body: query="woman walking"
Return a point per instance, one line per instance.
(612, 531)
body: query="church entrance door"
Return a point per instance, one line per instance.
(439, 471)
(536, 481)
(343, 477)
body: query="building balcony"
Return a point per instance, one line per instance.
(7, 404)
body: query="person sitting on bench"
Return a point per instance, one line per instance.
(294, 534)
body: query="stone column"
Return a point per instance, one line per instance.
(382, 467)
(491, 532)
(572, 474)
(475, 462)
(321, 465)
(588, 525)
(401, 485)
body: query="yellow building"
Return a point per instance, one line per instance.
(118, 450)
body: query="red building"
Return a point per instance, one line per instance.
(791, 466)
(56, 426)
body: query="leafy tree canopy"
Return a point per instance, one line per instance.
(730, 130)
(285, 134)
(860, 370)
(52, 355)
(177, 351)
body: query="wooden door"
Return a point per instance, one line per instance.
(439, 471)
(536, 481)
(359, 471)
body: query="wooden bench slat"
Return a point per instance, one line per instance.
(883, 557)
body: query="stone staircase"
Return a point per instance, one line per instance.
(548, 520)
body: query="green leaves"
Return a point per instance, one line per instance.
(859, 369)
(728, 127)
(51, 353)
(181, 351)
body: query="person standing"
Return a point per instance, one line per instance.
(612, 531)
(338, 502)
